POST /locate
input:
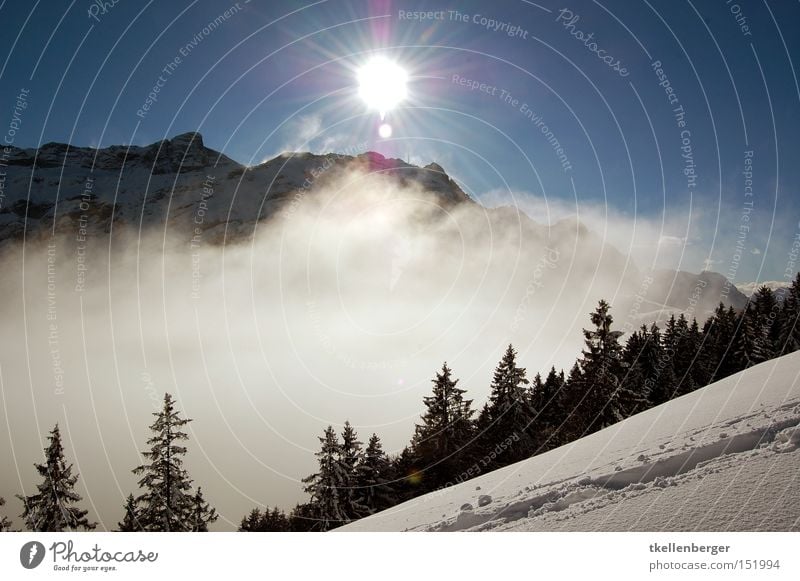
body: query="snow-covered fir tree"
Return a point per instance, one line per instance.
(373, 477)
(352, 456)
(166, 503)
(789, 335)
(329, 488)
(607, 399)
(439, 442)
(510, 410)
(52, 508)
(202, 513)
(129, 522)
(5, 524)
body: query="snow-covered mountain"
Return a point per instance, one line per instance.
(177, 184)
(748, 288)
(723, 458)
(180, 186)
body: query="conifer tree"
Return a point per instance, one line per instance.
(752, 341)
(439, 441)
(129, 522)
(52, 508)
(166, 503)
(548, 402)
(252, 522)
(5, 524)
(607, 399)
(302, 518)
(789, 333)
(202, 513)
(510, 411)
(351, 458)
(375, 492)
(329, 487)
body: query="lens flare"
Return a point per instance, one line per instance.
(385, 131)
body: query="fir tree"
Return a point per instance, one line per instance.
(129, 522)
(789, 333)
(548, 403)
(52, 508)
(375, 492)
(166, 503)
(302, 518)
(252, 522)
(439, 441)
(607, 399)
(510, 413)
(330, 486)
(202, 513)
(351, 457)
(752, 342)
(5, 524)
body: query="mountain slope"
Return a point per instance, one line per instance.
(725, 457)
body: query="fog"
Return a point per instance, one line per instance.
(341, 307)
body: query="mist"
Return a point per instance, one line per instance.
(340, 307)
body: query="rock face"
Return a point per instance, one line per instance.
(170, 182)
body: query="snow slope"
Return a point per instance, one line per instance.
(724, 458)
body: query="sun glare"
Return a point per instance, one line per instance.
(382, 84)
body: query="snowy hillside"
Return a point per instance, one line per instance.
(723, 458)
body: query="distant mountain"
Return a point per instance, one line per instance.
(181, 186)
(178, 182)
(748, 288)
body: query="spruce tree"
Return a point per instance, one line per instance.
(789, 333)
(511, 413)
(752, 341)
(252, 522)
(330, 486)
(166, 503)
(351, 457)
(657, 369)
(440, 440)
(374, 475)
(129, 522)
(607, 399)
(52, 508)
(5, 524)
(202, 513)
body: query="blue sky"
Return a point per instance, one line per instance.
(278, 75)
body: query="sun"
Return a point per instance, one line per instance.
(382, 84)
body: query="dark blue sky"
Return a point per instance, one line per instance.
(278, 75)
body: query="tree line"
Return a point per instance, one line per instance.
(453, 441)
